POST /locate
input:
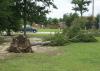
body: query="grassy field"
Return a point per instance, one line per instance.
(75, 57)
(49, 30)
(39, 35)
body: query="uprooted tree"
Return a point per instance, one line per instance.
(20, 44)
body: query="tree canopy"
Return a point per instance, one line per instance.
(8, 17)
(33, 10)
(69, 18)
(81, 5)
(12, 11)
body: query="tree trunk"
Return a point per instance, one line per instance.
(25, 16)
(41, 43)
(8, 32)
(75, 10)
(93, 8)
(25, 22)
(20, 44)
(81, 14)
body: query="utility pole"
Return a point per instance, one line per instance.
(93, 23)
(93, 8)
(99, 22)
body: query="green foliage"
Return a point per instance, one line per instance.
(97, 21)
(55, 21)
(71, 32)
(83, 38)
(57, 40)
(9, 20)
(4, 8)
(89, 23)
(33, 10)
(80, 22)
(69, 18)
(75, 33)
(52, 21)
(81, 5)
(77, 25)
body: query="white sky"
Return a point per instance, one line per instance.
(65, 6)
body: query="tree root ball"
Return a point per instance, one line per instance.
(20, 44)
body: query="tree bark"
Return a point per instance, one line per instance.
(20, 44)
(25, 16)
(81, 14)
(25, 27)
(41, 43)
(8, 32)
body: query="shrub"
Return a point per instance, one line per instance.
(57, 40)
(73, 31)
(83, 38)
(80, 22)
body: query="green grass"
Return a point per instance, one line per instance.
(40, 35)
(76, 57)
(35, 35)
(48, 30)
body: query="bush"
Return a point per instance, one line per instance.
(57, 40)
(77, 25)
(80, 22)
(83, 38)
(73, 31)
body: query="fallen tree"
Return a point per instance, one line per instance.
(21, 44)
(40, 43)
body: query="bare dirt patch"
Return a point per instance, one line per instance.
(37, 49)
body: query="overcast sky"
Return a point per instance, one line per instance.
(65, 6)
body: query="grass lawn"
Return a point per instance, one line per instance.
(40, 35)
(76, 57)
(49, 30)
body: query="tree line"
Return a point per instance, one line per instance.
(80, 7)
(14, 13)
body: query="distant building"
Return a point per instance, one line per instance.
(62, 25)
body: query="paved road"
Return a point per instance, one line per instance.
(42, 33)
(45, 32)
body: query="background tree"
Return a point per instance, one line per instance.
(8, 17)
(97, 21)
(3, 13)
(55, 21)
(51, 22)
(33, 9)
(68, 18)
(81, 5)
(89, 23)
